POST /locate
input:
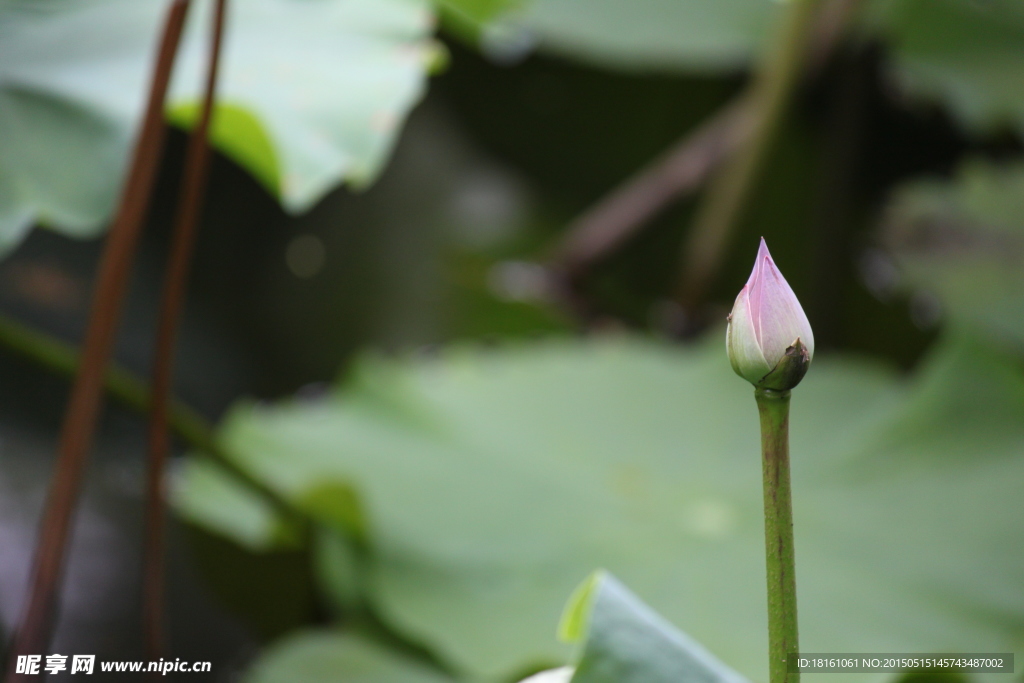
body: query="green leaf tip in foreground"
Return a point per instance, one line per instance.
(493, 479)
(628, 642)
(329, 657)
(323, 106)
(573, 625)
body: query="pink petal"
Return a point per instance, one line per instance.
(779, 315)
(762, 261)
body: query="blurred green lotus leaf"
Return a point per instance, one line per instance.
(311, 94)
(493, 480)
(967, 55)
(962, 241)
(331, 657)
(698, 36)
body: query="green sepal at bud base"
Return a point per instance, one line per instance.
(788, 372)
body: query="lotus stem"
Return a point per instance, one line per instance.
(773, 407)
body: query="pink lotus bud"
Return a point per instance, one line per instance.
(768, 326)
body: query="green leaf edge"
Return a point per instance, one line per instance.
(575, 622)
(239, 134)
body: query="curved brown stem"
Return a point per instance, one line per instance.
(729, 192)
(197, 164)
(808, 36)
(615, 218)
(78, 431)
(684, 168)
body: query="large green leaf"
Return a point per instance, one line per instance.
(332, 657)
(692, 36)
(965, 54)
(312, 93)
(493, 480)
(962, 240)
(625, 641)
(968, 55)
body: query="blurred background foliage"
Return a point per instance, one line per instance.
(448, 435)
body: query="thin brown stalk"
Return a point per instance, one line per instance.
(685, 167)
(78, 431)
(197, 164)
(615, 218)
(808, 34)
